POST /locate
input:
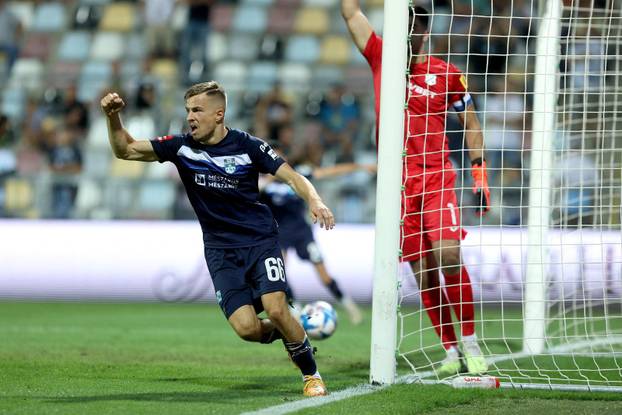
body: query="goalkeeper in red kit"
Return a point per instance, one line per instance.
(431, 229)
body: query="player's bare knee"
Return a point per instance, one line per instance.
(450, 261)
(248, 330)
(278, 314)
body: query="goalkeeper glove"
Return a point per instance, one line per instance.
(480, 185)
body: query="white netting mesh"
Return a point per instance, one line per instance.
(494, 45)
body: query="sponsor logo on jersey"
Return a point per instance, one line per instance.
(430, 79)
(165, 138)
(414, 88)
(230, 165)
(199, 179)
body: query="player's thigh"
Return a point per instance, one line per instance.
(413, 244)
(267, 273)
(441, 213)
(226, 267)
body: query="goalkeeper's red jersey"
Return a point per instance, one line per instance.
(433, 86)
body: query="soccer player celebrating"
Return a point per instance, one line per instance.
(295, 232)
(219, 167)
(432, 230)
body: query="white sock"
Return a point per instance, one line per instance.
(452, 351)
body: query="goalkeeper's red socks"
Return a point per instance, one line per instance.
(460, 295)
(437, 306)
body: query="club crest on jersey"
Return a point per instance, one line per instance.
(199, 179)
(230, 166)
(430, 79)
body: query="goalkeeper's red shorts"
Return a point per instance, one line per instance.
(432, 213)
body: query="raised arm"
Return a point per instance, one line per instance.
(304, 189)
(123, 144)
(357, 23)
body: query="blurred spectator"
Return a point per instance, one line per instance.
(577, 177)
(8, 160)
(504, 112)
(194, 40)
(75, 112)
(10, 34)
(160, 37)
(339, 116)
(65, 159)
(274, 116)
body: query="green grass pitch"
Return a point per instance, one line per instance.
(76, 358)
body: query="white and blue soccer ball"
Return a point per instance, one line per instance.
(319, 319)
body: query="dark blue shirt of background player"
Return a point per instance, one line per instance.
(221, 182)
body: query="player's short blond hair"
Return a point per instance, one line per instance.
(211, 88)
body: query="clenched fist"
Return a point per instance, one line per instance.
(112, 103)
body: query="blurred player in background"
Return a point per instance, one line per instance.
(431, 231)
(219, 167)
(296, 232)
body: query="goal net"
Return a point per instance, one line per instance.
(545, 263)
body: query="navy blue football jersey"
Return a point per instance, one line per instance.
(221, 183)
(288, 208)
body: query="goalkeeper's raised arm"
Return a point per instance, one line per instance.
(357, 23)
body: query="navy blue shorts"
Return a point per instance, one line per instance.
(242, 275)
(303, 242)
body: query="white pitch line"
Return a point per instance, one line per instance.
(365, 389)
(289, 407)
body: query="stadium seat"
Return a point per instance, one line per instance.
(304, 49)
(18, 195)
(126, 169)
(62, 74)
(13, 102)
(358, 80)
(337, 25)
(221, 17)
(314, 21)
(89, 197)
(74, 46)
(107, 46)
(287, 3)
(243, 47)
(97, 137)
(131, 73)
(24, 11)
(262, 76)
(135, 46)
(27, 73)
(376, 19)
(335, 50)
(95, 2)
(94, 77)
(257, 2)
(271, 48)
(118, 17)
(37, 45)
(180, 17)
(156, 199)
(281, 20)
(374, 3)
(217, 47)
(356, 57)
(327, 4)
(164, 69)
(326, 75)
(160, 171)
(250, 19)
(97, 159)
(231, 74)
(49, 17)
(295, 76)
(141, 126)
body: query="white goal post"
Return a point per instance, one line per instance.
(547, 276)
